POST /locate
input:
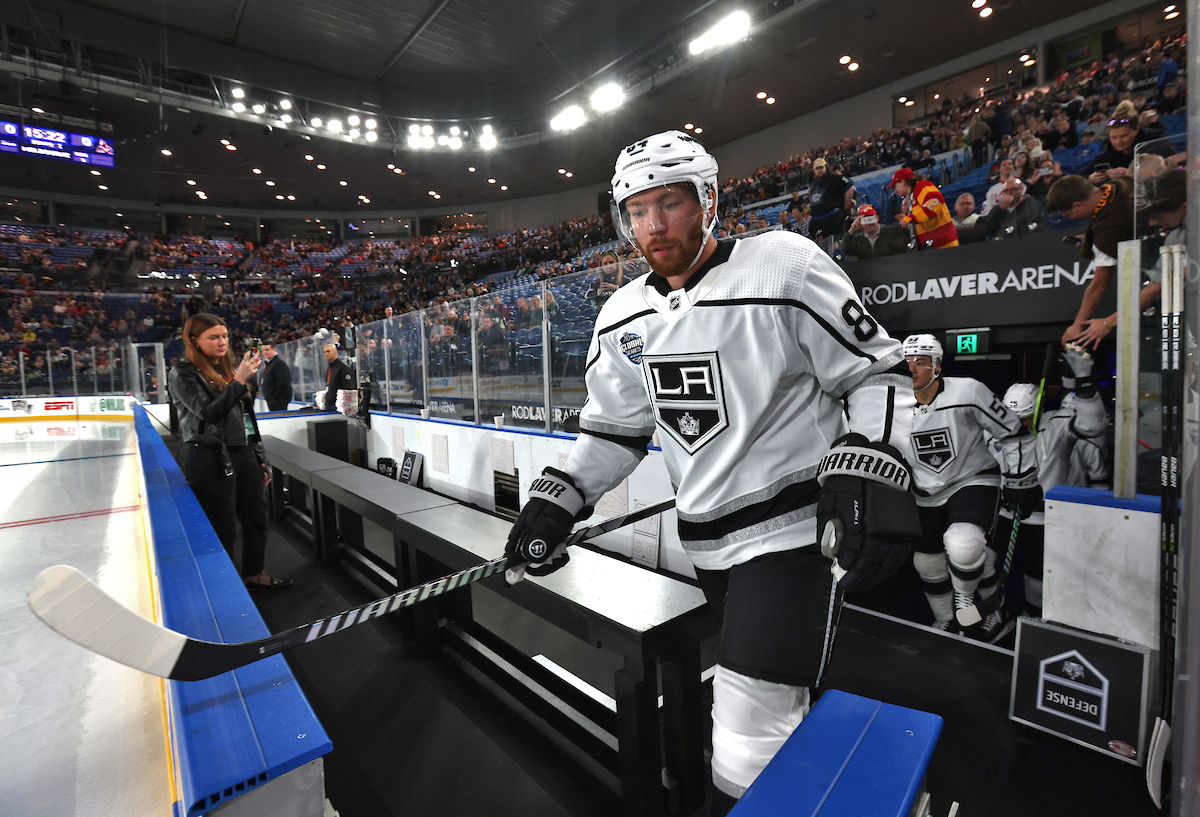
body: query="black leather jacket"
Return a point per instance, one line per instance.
(207, 416)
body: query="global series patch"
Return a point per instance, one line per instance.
(631, 347)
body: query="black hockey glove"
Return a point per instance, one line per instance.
(1077, 367)
(535, 543)
(866, 516)
(1021, 494)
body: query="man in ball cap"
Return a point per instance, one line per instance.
(866, 238)
(927, 211)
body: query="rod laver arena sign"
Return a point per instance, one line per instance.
(1034, 280)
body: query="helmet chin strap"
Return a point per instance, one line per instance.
(708, 229)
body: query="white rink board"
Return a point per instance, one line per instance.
(1102, 566)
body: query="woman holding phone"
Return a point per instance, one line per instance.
(223, 457)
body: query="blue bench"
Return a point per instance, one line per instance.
(235, 732)
(849, 757)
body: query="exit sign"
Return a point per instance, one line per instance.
(974, 341)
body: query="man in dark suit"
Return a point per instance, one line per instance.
(339, 376)
(275, 379)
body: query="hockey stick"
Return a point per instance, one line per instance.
(970, 616)
(1172, 305)
(69, 603)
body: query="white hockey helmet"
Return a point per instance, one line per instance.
(671, 157)
(923, 345)
(1021, 398)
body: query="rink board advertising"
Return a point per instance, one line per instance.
(1015, 282)
(1084, 687)
(55, 144)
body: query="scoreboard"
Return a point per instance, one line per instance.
(55, 144)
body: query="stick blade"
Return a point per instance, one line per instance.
(72, 605)
(1155, 759)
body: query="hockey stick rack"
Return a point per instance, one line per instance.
(970, 616)
(1173, 265)
(72, 605)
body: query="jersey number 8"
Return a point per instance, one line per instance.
(865, 327)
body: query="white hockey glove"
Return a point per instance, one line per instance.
(1077, 366)
(536, 540)
(867, 518)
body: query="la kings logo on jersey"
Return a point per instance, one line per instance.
(688, 398)
(934, 448)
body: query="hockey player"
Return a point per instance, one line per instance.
(1081, 422)
(754, 359)
(958, 483)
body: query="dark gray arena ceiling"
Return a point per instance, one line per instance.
(511, 63)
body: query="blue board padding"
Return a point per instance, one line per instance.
(849, 756)
(234, 732)
(1094, 496)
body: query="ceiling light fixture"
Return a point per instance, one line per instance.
(308, 157)
(258, 108)
(455, 130)
(607, 97)
(1023, 57)
(291, 198)
(562, 170)
(985, 12)
(95, 172)
(285, 104)
(192, 182)
(238, 93)
(569, 174)
(353, 121)
(698, 130)
(102, 186)
(397, 170)
(335, 126)
(443, 139)
(371, 136)
(1171, 16)
(688, 126)
(487, 140)
(285, 118)
(343, 182)
(238, 107)
(257, 171)
(504, 187)
(491, 181)
(761, 95)
(316, 121)
(231, 147)
(852, 66)
(903, 99)
(270, 183)
(165, 151)
(570, 119)
(320, 167)
(455, 143)
(433, 192)
(37, 110)
(845, 60)
(279, 196)
(729, 30)
(371, 124)
(355, 133)
(427, 130)
(470, 170)
(770, 100)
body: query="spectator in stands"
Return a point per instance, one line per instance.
(536, 311)
(1168, 100)
(1124, 135)
(523, 317)
(1006, 169)
(1152, 128)
(866, 238)
(1110, 208)
(964, 211)
(1047, 173)
(830, 198)
(1167, 70)
(977, 133)
(1022, 167)
(609, 278)
(553, 310)
(492, 344)
(275, 379)
(760, 223)
(1016, 214)
(785, 222)
(1062, 134)
(223, 457)
(927, 211)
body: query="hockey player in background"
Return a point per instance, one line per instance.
(958, 483)
(1080, 422)
(783, 410)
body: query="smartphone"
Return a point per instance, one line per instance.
(1045, 171)
(1102, 167)
(256, 346)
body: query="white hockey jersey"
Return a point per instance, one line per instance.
(1069, 448)
(950, 441)
(749, 372)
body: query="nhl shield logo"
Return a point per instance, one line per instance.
(688, 397)
(935, 448)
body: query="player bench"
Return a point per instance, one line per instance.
(655, 622)
(247, 732)
(849, 756)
